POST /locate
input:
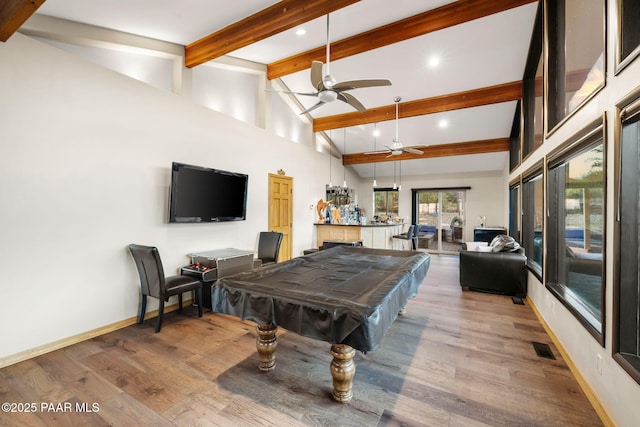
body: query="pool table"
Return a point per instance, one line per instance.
(347, 296)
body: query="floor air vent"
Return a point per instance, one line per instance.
(517, 300)
(543, 350)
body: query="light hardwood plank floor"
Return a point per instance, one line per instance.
(454, 359)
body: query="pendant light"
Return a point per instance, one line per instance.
(344, 168)
(330, 155)
(400, 175)
(395, 186)
(375, 136)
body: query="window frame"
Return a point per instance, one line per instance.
(528, 221)
(387, 190)
(554, 66)
(531, 83)
(515, 210)
(623, 60)
(515, 139)
(586, 140)
(626, 110)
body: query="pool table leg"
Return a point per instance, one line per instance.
(266, 345)
(342, 370)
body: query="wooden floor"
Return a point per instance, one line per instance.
(454, 359)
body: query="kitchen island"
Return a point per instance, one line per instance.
(378, 236)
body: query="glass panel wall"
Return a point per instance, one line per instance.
(442, 214)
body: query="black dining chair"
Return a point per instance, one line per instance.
(411, 235)
(269, 247)
(415, 236)
(155, 284)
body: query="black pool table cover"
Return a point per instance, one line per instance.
(343, 295)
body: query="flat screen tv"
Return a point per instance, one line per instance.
(200, 194)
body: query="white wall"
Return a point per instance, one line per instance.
(86, 155)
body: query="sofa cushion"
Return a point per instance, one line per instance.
(473, 246)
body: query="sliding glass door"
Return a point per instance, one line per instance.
(441, 215)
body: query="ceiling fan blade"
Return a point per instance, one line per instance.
(319, 104)
(293, 93)
(351, 100)
(355, 84)
(414, 151)
(316, 75)
(376, 152)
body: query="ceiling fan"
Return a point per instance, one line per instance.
(328, 90)
(396, 147)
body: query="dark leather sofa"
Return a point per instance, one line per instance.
(494, 272)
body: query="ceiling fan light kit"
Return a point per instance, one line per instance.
(328, 89)
(396, 147)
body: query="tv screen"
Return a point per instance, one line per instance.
(200, 194)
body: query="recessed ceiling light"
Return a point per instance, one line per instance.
(376, 132)
(434, 61)
(443, 123)
(301, 32)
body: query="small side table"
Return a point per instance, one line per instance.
(215, 264)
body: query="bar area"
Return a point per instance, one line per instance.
(342, 221)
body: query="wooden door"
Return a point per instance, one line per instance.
(281, 211)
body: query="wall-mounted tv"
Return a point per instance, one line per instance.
(200, 194)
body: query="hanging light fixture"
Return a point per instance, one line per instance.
(344, 168)
(375, 136)
(400, 175)
(395, 186)
(330, 154)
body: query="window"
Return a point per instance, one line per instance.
(575, 55)
(385, 202)
(533, 111)
(628, 32)
(626, 304)
(575, 229)
(532, 91)
(533, 219)
(515, 144)
(514, 211)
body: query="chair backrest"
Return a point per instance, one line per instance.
(150, 269)
(269, 246)
(416, 231)
(411, 231)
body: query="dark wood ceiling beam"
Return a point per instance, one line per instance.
(13, 13)
(446, 16)
(442, 150)
(281, 16)
(471, 98)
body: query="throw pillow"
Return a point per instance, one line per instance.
(504, 243)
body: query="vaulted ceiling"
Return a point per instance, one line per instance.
(456, 65)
